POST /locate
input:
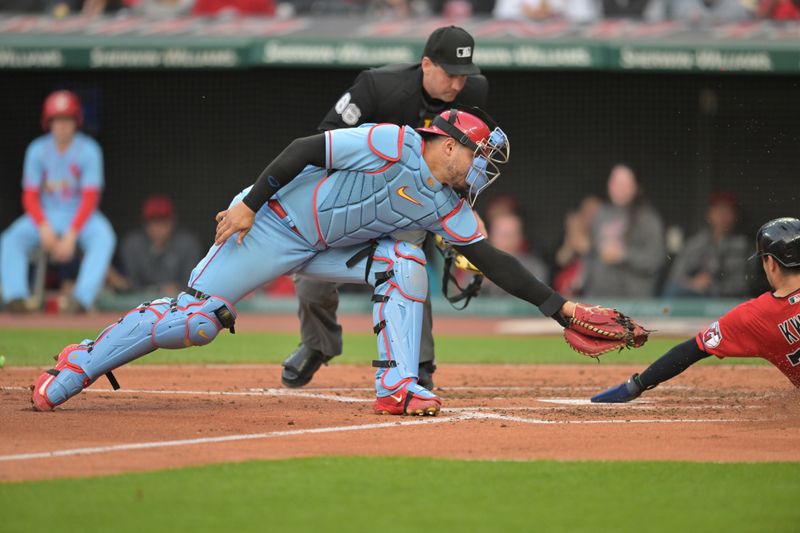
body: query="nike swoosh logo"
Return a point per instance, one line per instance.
(398, 399)
(403, 194)
(202, 333)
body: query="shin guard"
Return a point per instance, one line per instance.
(164, 323)
(401, 284)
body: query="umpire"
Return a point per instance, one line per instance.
(410, 94)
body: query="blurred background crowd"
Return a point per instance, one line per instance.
(698, 12)
(618, 247)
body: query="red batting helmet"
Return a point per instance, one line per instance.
(61, 104)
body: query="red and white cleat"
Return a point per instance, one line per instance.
(39, 398)
(415, 402)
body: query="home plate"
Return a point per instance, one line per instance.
(581, 401)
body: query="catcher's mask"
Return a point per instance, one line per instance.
(476, 130)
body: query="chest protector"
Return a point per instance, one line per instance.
(355, 206)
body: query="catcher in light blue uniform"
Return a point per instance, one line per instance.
(326, 207)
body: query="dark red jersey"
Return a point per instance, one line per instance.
(766, 327)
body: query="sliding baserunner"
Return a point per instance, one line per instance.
(766, 327)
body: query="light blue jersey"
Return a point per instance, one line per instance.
(61, 176)
(376, 184)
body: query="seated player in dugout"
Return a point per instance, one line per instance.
(325, 207)
(766, 327)
(61, 186)
(412, 94)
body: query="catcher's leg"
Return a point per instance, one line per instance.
(397, 271)
(401, 285)
(164, 323)
(320, 334)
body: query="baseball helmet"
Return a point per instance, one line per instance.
(61, 104)
(476, 130)
(780, 238)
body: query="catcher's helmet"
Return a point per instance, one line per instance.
(780, 238)
(476, 130)
(61, 104)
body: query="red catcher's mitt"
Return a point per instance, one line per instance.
(595, 330)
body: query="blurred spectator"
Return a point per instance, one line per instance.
(579, 11)
(713, 262)
(779, 9)
(705, 12)
(627, 249)
(499, 205)
(61, 184)
(571, 256)
(506, 234)
(160, 256)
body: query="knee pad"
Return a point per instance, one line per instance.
(405, 271)
(195, 324)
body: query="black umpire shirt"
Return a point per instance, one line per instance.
(394, 94)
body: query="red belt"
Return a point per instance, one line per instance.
(278, 209)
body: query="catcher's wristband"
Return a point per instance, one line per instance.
(552, 307)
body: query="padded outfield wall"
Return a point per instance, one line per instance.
(197, 109)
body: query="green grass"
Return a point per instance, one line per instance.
(37, 347)
(402, 494)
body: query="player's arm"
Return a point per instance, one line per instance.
(669, 365)
(356, 106)
(460, 229)
(290, 162)
(507, 272)
(32, 177)
(589, 330)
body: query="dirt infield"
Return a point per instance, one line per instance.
(170, 416)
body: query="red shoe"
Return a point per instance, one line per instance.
(418, 401)
(39, 398)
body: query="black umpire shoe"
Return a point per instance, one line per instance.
(426, 371)
(300, 367)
